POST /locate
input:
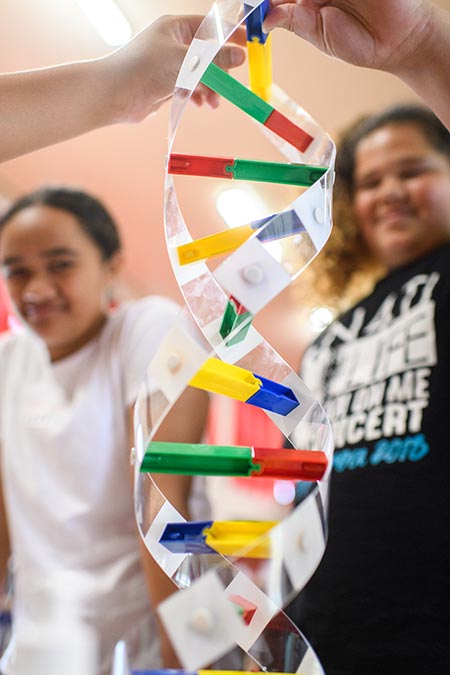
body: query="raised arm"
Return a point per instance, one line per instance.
(42, 107)
(408, 38)
(5, 550)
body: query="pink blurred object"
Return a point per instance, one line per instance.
(232, 422)
(7, 318)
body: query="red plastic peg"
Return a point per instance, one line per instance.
(290, 464)
(286, 129)
(195, 165)
(248, 608)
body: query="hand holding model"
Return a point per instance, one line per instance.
(45, 106)
(408, 38)
(146, 68)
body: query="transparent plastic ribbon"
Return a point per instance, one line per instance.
(201, 619)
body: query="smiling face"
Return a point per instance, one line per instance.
(401, 194)
(56, 277)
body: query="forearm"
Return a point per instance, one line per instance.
(43, 107)
(5, 549)
(429, 74)
(176, 489)
(161, 588)
(184, 424)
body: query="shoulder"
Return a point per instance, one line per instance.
(436, 261)
(150, 308)
(22, 355)
(8, 343)
(442, 264)
(425, 279)
(154, 314)
(139, 328)
(15, 343)
(443, 254)
(141, 323)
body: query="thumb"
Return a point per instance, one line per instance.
(299, 19)
(230, 57)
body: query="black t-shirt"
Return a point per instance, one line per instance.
(379, 601)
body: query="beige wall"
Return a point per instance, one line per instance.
(125, 165)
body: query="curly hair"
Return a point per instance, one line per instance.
(346, 270)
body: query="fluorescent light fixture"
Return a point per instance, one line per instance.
(239, 207)
(108, 20)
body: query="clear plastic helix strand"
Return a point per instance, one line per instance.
(235, 577)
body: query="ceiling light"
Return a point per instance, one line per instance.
(108, 20)
(239, 207)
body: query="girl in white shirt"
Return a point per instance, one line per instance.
(69, 382)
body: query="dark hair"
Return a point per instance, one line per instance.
(93, 217)
(433, 130)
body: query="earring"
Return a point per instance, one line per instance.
(111, 301)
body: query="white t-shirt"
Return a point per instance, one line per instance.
(66, 471)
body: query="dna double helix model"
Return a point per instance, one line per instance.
(235, 577)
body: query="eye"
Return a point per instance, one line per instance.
(413, 171)
(369, 183)
(57, 266)
(15, 272)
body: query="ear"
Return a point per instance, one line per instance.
(112, 268)
(114, 265)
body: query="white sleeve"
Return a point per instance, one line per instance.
(145, 324)
(3, 395)
(10, 374)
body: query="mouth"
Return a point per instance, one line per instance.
(395, 217)
(38, 313)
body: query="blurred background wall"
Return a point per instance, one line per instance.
(124, 165)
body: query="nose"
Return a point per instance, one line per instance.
(39, 289)
(392, 189)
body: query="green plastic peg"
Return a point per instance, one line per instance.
(275, 172)
(204, 460)
(219, 81)
(231, 320)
